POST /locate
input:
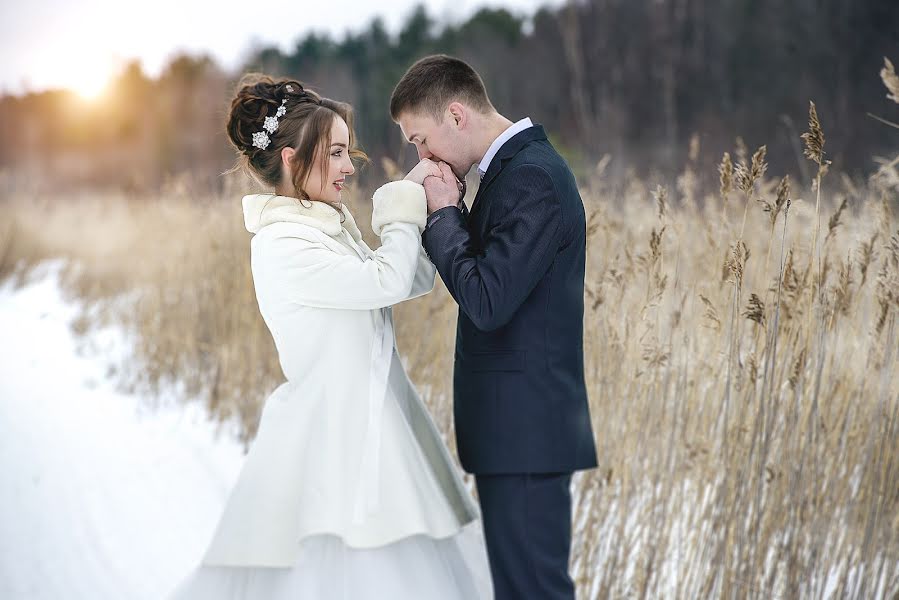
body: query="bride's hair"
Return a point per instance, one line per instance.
(304, 126)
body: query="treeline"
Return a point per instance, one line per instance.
(635, 79)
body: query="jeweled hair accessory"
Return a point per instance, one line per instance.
(261, 139)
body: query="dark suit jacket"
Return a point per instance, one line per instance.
(515, 266)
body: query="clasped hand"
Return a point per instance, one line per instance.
(441, 186)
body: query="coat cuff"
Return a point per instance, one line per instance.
(399, 201)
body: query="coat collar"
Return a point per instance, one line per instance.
(260, 210)
(510, 149)
(503, 155)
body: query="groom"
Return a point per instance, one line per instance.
(515, 266)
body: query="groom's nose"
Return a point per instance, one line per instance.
(423, 153)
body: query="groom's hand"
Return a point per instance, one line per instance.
(443, 190)
(423, 169)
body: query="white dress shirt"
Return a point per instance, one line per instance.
(498, 143)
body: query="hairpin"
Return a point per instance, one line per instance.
(260, 138)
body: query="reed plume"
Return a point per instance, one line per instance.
(890, 80)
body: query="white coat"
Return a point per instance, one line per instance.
(345, 446)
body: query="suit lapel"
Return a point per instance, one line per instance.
(506, 152)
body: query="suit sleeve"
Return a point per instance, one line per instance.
(518, 249)
(310, 273)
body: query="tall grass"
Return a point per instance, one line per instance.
(746, 412)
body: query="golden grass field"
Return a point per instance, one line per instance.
(741, 359)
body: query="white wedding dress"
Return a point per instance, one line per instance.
(348, 491)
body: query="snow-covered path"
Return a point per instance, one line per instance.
(100, 497)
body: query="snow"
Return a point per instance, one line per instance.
(100, 496)
(103, 496)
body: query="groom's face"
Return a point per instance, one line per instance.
(438, 141)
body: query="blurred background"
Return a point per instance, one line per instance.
(98, 95)
(739, 164)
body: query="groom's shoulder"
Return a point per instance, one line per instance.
(540, 156)
(541, 153)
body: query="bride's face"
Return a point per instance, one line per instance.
(338, 167)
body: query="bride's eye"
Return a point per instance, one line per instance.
(337, 153)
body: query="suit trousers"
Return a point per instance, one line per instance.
(527, 527)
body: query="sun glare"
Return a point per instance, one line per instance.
(89, 88)
(85, 74)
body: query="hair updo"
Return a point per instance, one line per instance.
(305, 126)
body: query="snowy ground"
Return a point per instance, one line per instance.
(100, 497)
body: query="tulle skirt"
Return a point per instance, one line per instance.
(418, 567)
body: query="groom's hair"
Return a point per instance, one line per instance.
(432, 83)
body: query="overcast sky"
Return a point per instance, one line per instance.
(79, 44)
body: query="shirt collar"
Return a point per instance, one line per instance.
(498, 143)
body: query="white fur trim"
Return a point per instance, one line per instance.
(260, 210)
(399, 201)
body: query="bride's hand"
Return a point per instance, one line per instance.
(425, 168)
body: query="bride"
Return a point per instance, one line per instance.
(348, 491)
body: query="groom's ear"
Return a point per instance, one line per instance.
(458, 113)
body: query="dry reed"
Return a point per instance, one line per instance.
(750, 457)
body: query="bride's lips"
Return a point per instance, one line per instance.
(339, 184)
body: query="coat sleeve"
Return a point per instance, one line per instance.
(425, 275)
(312, 274)
(517, 251)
